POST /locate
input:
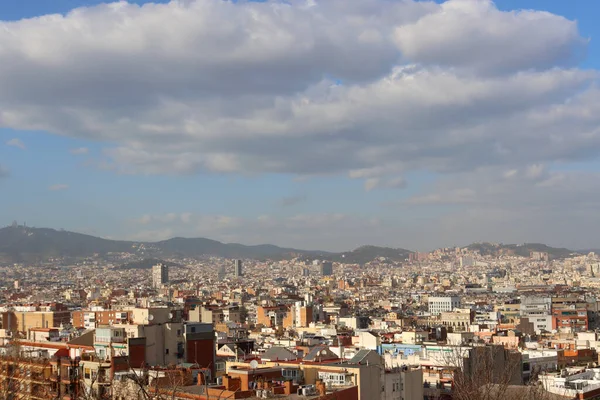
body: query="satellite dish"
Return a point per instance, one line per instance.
(253, 364)
(170, 315)
(150, 317)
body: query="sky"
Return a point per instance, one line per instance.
(312, 124)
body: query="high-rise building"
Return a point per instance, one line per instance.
(238, 268)
(326, 268)
(160, 275)
(221, 274)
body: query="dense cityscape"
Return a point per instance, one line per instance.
(434, 325)
(299, 199)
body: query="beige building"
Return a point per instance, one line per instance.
(405, 383)
(215, 315)
(459, 320)
(164, 342)
(414, 336)
(23, 321)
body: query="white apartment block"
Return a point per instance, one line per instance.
(437, 305)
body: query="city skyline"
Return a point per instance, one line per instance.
(315, 125)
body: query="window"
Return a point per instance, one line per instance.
(86, 373)
(166, 351)
(178, 332)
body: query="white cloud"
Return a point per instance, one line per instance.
(58, 186)
(16, 143)
(474, 35)
(338, 87)
(80, 151)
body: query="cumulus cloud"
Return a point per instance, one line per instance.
(475, 36)
(58, 186)
(337, 87)
(16, 143)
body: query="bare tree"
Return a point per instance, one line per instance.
(490, 372)
(23, 377)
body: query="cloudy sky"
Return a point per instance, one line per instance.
(322, 124)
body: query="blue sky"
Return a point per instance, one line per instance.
(361, 198)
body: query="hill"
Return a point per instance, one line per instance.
(520, 249)
(25, 244)
(365, 254)
(147, 263)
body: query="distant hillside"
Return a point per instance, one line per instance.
(147, 263)
(520, 249)
(196, 247)
(588, 251)
(21, 243)
(364, 254)
(25, 244)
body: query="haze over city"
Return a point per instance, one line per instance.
(313, 124)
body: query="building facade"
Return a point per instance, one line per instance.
(160, 275)
(438, 305)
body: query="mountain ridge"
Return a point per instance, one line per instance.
(27, 244)
(524, 250)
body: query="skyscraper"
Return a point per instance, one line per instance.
(238, 269)
(326, 268)
(160, 275)
(221, 274)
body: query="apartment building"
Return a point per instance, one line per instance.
(88, 319)
(437, 305)
(23, 321)
(570, 314)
